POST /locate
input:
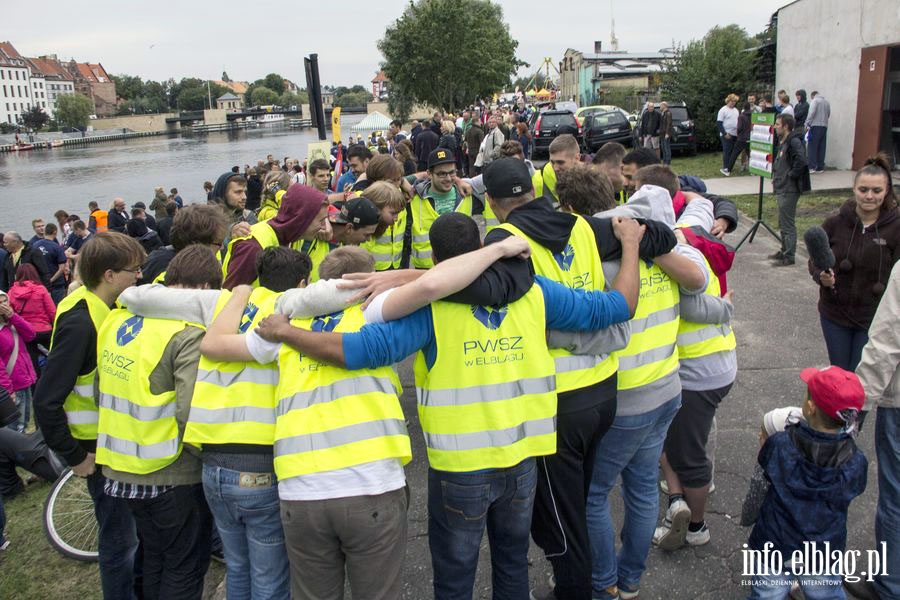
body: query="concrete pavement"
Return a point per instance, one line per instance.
(749, 184)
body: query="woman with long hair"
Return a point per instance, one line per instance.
(403, 154)
(275, 184)
(523, 137)
(31, 301)
(865, 238)
(16, 371)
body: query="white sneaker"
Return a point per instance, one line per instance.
(664, 486)
(671, 535)
(697, 538)
(725, 172)
(4, 544)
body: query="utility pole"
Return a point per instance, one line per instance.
(209, 93)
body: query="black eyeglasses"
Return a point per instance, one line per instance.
(134, 270)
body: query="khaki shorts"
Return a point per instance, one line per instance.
(651, 141)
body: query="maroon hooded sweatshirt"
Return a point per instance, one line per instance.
(299, 207)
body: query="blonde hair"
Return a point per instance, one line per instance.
(383, 167)
(448, 126)
(384, 194)
(732, 98)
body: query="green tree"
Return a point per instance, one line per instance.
(128, 87)
(400, 103)
(352, 99)
(447, 53)
(35, 118)
(291, 99)
(73, 110)
(193, 98)
(262, 96)
(274, 82)
(705, 71)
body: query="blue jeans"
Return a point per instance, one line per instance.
(816, 151)
(631, 448)
(727, 147)
(118, 540)
(665, 149)
(249, 523)
(887, 515)
(844, 344)
(460, 506)
(57, 293)
(23, 400)
(777, 587)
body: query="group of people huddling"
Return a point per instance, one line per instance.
(252, 388)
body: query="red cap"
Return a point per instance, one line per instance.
(833, 389)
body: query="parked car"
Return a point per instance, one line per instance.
(584, 111)
(547, 125)
(683, 123)
(607, 126)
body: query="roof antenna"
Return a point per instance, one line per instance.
(613, 40)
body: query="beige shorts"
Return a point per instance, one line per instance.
(651, 141)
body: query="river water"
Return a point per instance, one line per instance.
(37, 184)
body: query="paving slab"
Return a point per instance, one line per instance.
(749, 184)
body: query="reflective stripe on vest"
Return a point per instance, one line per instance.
(137, 430)
(80, 406)
(101, 218)
(330, 418)
(264, 235)
(577, 267)
(698, 339)
(651, 352)
(489, 400)
(387, 250)
(316, 250)
(234, 402)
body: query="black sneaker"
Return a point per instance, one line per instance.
(776, 256)
(784, 262)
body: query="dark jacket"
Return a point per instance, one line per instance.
(790, 173)
(145, 236)
(254, 191)
(813, 477)
(74, 353)
(864, 260)
(474, 137)
(157, 262)
(650, 123)
(744, 126)
(801, 110)
(163, 228)
(448, 141)
(116, 221)
(425, 143)
(30, 255)
(665, 124)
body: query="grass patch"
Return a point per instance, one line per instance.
(812, 209)
(30, 569)
(704, 166)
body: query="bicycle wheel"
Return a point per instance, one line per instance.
(69, 520)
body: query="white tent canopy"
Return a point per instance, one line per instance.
(374, 121)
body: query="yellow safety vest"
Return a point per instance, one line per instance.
(234, 402)
(423, 215)
(387, 250)
(80, 405)
(651, 353)
(265, 236)
(490, 219)
(138, 431)
(537, 181)
(577, 267)
(489, 400)
(548, 181)
(702, 339)
(330, 418)
(316, 250)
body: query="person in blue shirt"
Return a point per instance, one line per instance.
(56, 260)
(357, 157)
(508, 515)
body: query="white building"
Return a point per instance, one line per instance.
(56, 81)
(15, 86)
(848, 51)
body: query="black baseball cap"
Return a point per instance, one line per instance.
(440, 156)
(507, 178)
(359, 212)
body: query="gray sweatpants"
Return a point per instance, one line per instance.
(787, 214)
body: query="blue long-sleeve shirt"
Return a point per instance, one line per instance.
(382, 344)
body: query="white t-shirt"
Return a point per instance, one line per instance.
(787, 110)
(729, 118)
(367, 479)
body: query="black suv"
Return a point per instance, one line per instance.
(606, 126)
(682, 122)
(547, 125)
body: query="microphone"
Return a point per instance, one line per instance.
(819, 250)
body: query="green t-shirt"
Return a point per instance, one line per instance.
(443, 203)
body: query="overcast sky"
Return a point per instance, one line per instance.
(250, 39)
